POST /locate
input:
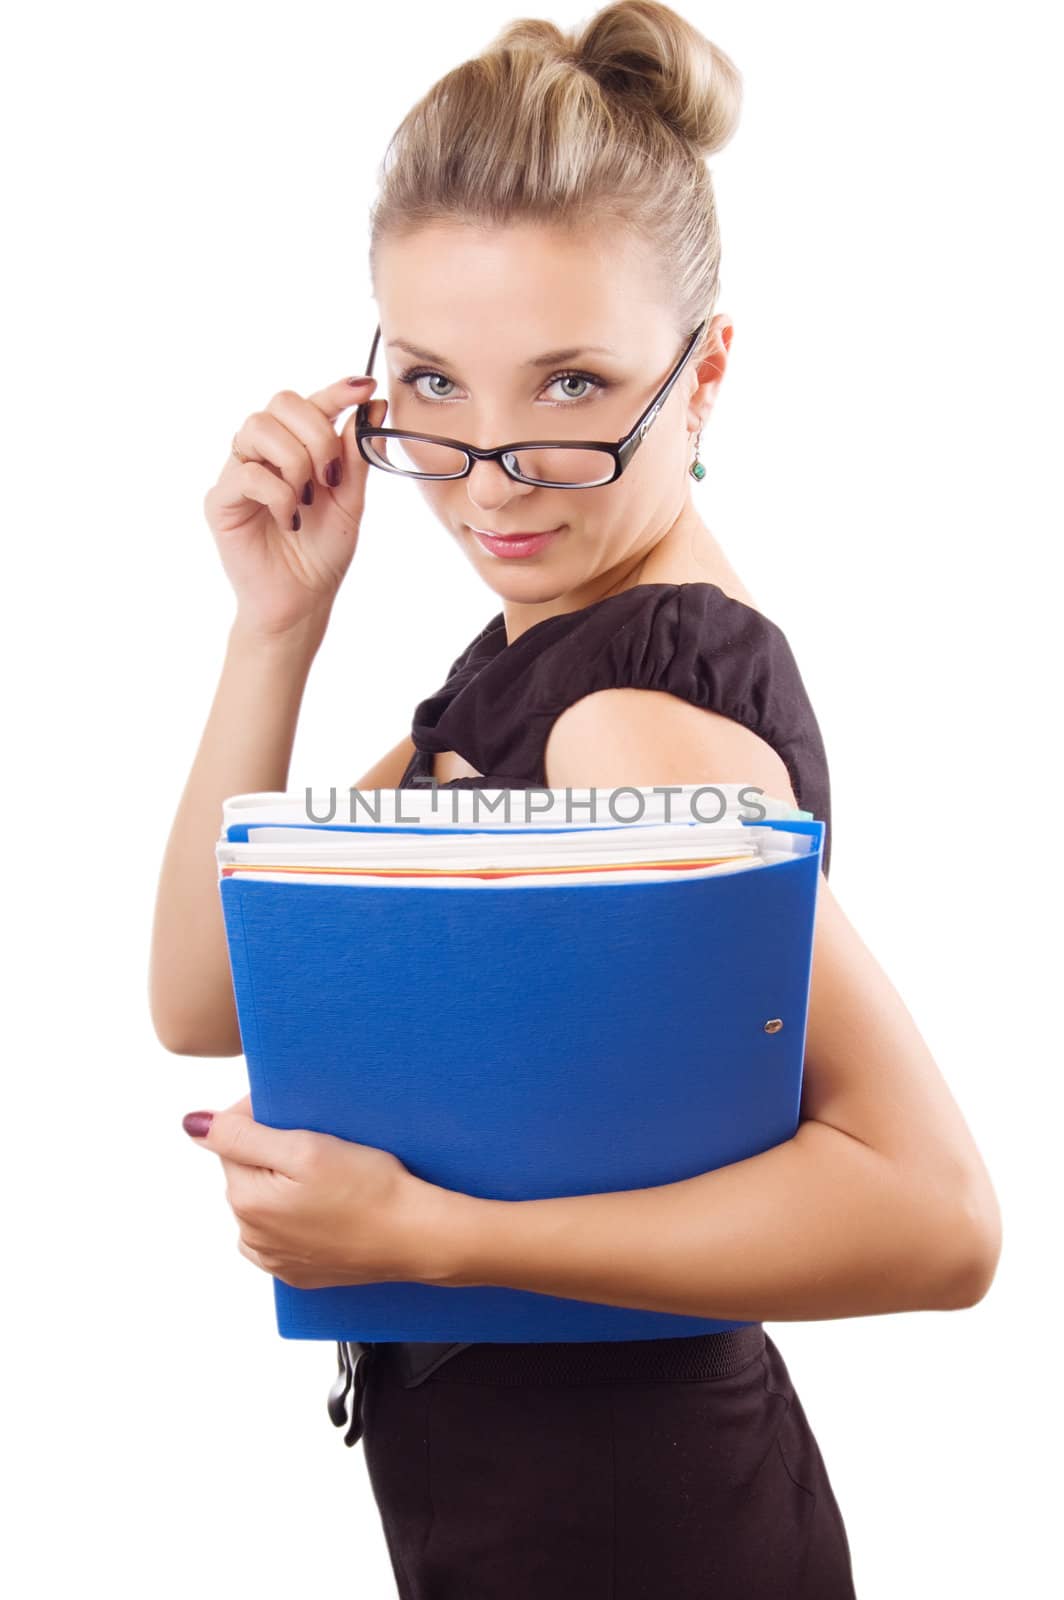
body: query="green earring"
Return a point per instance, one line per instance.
(697, 469)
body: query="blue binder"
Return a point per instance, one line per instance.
(519, 1044)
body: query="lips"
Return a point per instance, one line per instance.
(515, 546)
(524, 533)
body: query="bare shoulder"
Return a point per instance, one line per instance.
(649, 736)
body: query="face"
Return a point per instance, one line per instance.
(490, 303)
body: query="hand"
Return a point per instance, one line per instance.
(286, 557)
(317, 1211)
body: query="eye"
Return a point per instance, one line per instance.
(413, 376)
(578, 377)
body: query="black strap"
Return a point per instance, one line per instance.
(352, 1360)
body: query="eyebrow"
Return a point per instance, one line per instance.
(549, 359)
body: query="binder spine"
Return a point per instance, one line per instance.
(244, 991)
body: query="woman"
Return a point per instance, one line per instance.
(545, 258)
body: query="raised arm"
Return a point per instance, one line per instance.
(285, 514)
(246, 746)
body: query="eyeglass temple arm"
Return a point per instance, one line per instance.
(631, 442)
(362, 411)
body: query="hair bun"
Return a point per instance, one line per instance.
(534, 33)
(646, 54)
(603, 123)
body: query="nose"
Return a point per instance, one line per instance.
(490, 486)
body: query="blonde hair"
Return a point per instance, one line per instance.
(607, 122)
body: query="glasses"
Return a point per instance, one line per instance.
(547, 463)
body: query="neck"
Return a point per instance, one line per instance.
(685, 553)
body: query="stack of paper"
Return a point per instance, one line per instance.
(625, 1007)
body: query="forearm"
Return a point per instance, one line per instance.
(821, 1226)
(246, 746)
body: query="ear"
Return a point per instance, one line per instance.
(709, 369)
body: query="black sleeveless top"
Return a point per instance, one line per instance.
(499, 701)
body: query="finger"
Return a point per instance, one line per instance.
(376, 410)
(266, 437)
(353, 394)
(252, 1255)
(336, 397)
(244, 1187)
(312, 425)
(253, 1144)
(253, 480)
(247, 1189)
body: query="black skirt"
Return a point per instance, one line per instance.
(658, 1469)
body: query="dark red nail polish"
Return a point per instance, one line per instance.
(332, 473)
(198, 1123)
(308, 492)
(297, 522)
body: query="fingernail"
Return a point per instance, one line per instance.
(361, 380)
(308, 492)
(332, 473)
(198, 1123)
(297, 522)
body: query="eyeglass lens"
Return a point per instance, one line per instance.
(546, 464)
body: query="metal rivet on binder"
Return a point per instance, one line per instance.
(773, 1025)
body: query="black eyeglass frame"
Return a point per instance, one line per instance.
(622, 451)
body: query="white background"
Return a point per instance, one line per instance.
(187, 200)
